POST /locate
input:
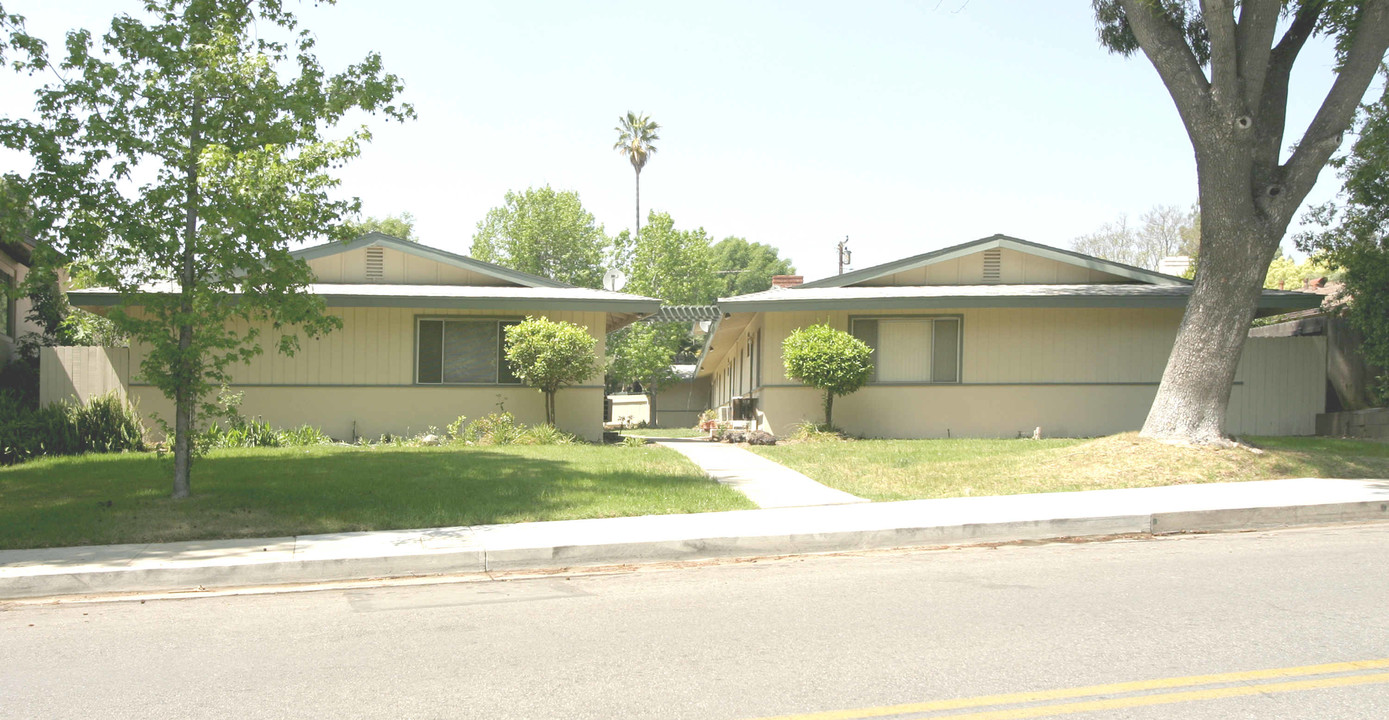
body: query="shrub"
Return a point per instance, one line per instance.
(499, 428)
(807, 431)
(545, 435)
(548, 355)
(20, 378)
(832, 360)
(633, 441)
(258, 433)
(104, 424)
(455, 428)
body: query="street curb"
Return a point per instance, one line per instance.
(489, 548)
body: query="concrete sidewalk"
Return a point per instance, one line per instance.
(664, 538)
(767, 483)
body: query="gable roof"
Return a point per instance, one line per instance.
(1069, 257)
(378, 239)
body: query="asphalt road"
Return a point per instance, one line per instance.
(858, 634)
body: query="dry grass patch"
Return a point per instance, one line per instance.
(912, 469)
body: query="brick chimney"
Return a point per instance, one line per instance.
(787, 281)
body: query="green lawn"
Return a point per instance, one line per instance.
(912, 469)
(103, 499)
(665, 432)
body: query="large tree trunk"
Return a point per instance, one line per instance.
(1234, 108)
(637, 230)
(1192, 400)
(185, 397)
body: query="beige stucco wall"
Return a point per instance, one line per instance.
(631, 408)
(1073, 372)
(373, 411)
(374, 347)
(679, 405)
(363, 373)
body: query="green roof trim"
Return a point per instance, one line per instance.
(101, 297)
(1069, 257)
(378, 239)
(1096, 296)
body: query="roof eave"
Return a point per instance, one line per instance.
(1277, 303)
(635, 306)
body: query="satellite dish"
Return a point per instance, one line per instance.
(614, 280)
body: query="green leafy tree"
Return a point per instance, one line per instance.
(677, 267)
(636, 138)
(1354, 238)
(1227, 68)
(548, 355)
(643, 353)
(1285, 273)
(14, 37)
(674, 265)
(544, 232)
(401, 227)
(833, 361)
(225, 125)
(747, 267)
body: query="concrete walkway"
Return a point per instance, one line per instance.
(767, 483)
(668, 538)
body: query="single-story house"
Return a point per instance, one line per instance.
(14, 311)
(420, 345)
(995, 338)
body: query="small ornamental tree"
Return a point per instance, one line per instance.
(185, 150)
(548, 355)
(832, 360)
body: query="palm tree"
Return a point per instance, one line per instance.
(636, 135)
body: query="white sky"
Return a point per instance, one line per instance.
(907, 126)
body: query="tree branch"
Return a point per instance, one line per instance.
(1273, 104)
(1323, 135)
(1258, 22)
(1219, 16)
(1166, 47)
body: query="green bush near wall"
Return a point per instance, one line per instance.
(103, 424)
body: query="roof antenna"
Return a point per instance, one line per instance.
(845, 254)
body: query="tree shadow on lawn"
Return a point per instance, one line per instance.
(1326, 457)
(290, 491)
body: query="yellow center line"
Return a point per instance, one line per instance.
(1109, 689)
(1168, 698)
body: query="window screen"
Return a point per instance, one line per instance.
(462, 352)
(945, 365)
(470, 352)
(911, 349)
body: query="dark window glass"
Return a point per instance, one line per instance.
(430, 354)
